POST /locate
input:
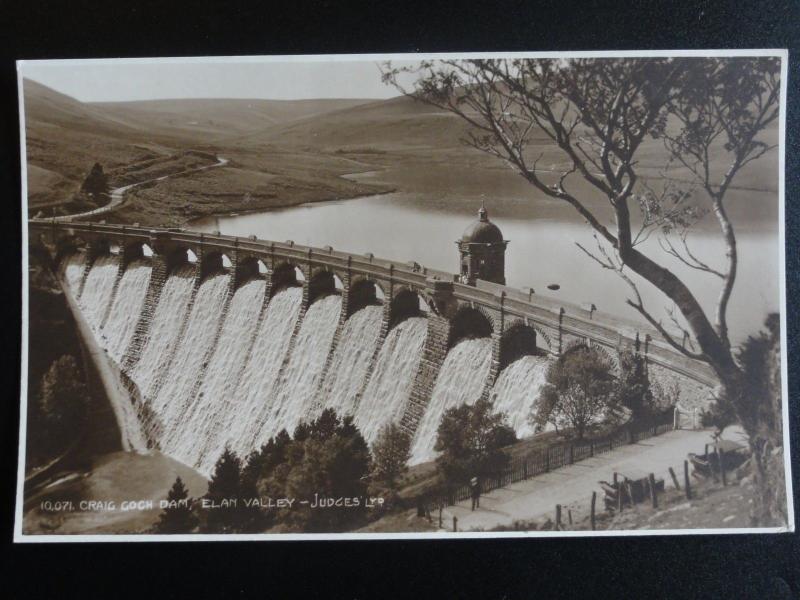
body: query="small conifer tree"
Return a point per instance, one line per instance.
(177, 517)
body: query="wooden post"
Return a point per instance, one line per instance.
(721, 466)
(591, 518)
(440, 516)
(686, 480)
(619, 496)
(674, 479)
(547, 460)
(591, 448)
(455, 523)
(525, 469)
(615, 478)
(651, 480)
(571, 453)
(569, 516)
(558, 516)
(629, 493)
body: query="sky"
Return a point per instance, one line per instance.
(280, 78)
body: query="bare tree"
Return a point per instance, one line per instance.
(597, 113)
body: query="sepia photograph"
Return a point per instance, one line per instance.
(403, 296)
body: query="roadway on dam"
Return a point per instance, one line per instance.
(572, 486)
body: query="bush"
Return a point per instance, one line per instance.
(579, 390)
(62, 405)
(470, 441)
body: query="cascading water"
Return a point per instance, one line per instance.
(162, 335)
(128, 301)
(461, 380)
(173, 400)
(97, 291)
(351, 360)
(72, 272)
(297, 389)
(389, 388)
(196, 442)
(517, 389)
(247, 427)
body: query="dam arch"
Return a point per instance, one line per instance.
(214, 262)
(518, 340)
(405, 304)
(363, 292)
(284, 275)
(469, 322)
(321, 283)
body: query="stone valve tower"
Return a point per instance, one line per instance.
(482, 250)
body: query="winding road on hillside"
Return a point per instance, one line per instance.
(118, 194)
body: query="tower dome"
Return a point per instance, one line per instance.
(482, 251)
(482, 231)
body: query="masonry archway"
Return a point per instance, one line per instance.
(322, 283)
(517, 341)
(285, 275)
(469, 323)
(363, 292)
(406, 304)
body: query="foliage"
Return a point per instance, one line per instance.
(633, 389)
(578, 391)
(177, 516)
(470, 439)
(326, 459)
(62, 405)
(390, 454)
(229, 511)
(96, 182)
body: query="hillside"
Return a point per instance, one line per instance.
(208, 119)
(65, 137)
(287, 152)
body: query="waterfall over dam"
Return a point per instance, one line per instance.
(125, 309)
(517, 389)
(384, 400)
(460, 381)
(97, 290)
(173, 401)
(162, 336)
(295, 394)
(217, 353)
(351, 360)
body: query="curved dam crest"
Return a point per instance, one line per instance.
(225, 341)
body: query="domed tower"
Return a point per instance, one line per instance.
(483, 251)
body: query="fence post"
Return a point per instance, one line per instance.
(686, 480)
(440, 516)
(591, 449)
(721, 466)
(569, 516)
(558, 516)
(591, 518)
(525, 469)
(547, 460)
(455, 523)
(674, 479)
(571, 453)
(651, 480)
